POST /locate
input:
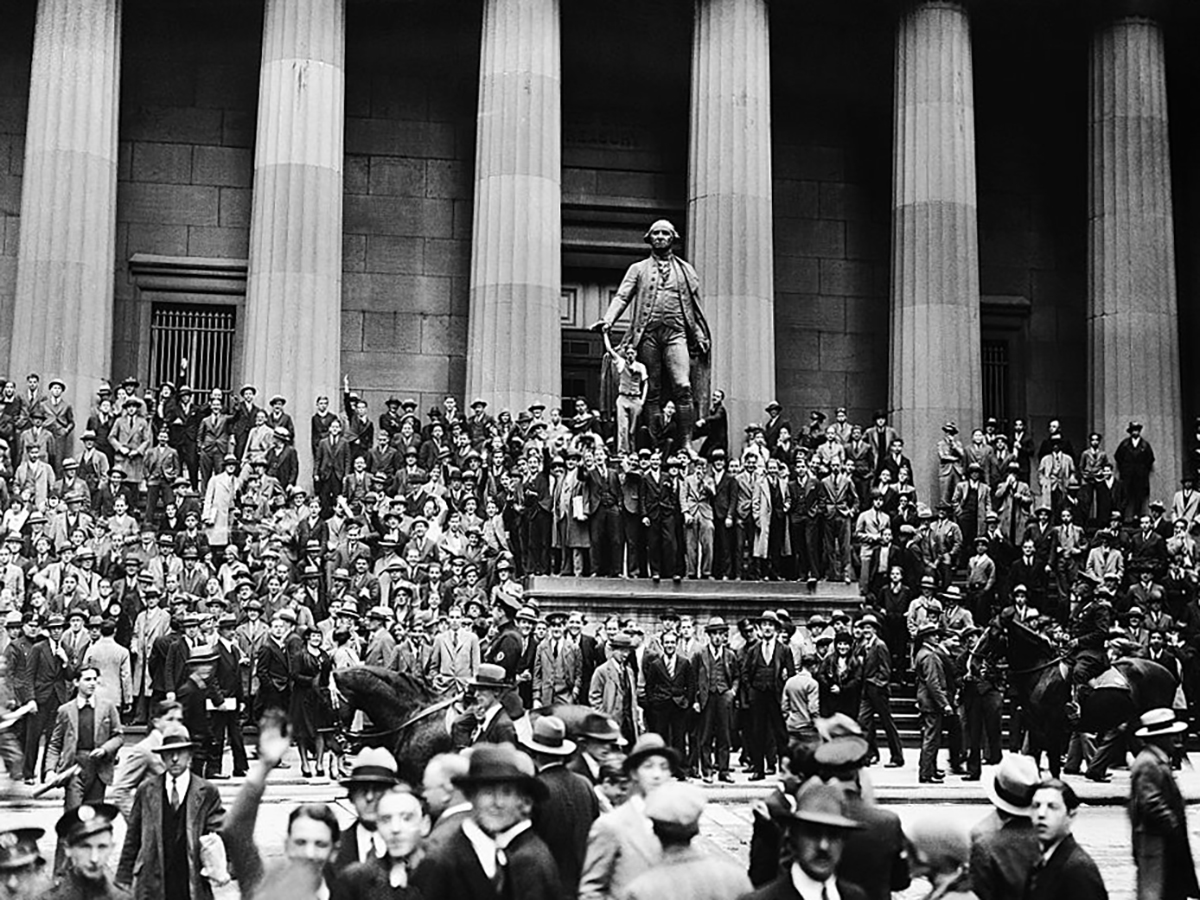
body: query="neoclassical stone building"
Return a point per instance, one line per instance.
(946, 209)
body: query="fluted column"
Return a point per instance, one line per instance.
(1133, 339)
(63, 313)
(935, 361)
(730, 226)
(294, 284)
(514, 347)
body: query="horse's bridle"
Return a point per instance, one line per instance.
(411, 720)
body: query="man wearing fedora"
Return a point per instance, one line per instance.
(1161, 848)
(372, 774)
(565, 817)
(613, 691)
(875, 702)
(492, 722)
(171, 813)
(1135, 461)
(1004, 845)
(933, 699)
(767, 666)
(717, 673)
(814, 839)
(496, 852)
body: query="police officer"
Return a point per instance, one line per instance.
(1089, 625)
(22, 867)
(87, 833)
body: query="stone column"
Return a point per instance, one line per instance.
(294, 284)
(729, 214)
(514, 347)
(1133, 339)
(63, 314)
(935, 364)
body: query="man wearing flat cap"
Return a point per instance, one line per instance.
(667, 326)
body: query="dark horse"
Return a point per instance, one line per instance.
(1037, 679)
(405, 717)
(1036, 672)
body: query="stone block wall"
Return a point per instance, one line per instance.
(411, 87)
(16, 52)
(189, 90)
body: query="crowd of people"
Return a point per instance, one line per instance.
(175, 572)
(574, 813)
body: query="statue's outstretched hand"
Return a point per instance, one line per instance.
(601, 326)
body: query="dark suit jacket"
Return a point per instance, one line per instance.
(703, 664)
(453, 871)
(874, 858)
(563, 821)
(659, 498)
(1160, 839)
(273, 666)
(661, 688)
(499, 731)
(47, 676)
(142, 855)
(1069, 873)
(1002, 853)
(782, 667)
(783, 889)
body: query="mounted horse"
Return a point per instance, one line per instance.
(1039, 674)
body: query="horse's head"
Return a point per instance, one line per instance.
(383, 694)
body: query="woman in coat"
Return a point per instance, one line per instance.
(310, 669)
(840, 678)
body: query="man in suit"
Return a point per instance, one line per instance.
(141, 761)
(87, 733)
(112, 661)
(591, 651)
(171, 814)
(661, 503)
(1063, 869)
(604, 515)
(558, 666)
(226, 718)
(565, 817)
(1161, 849)
(877, 677)
(774, 424)
(670, 692)
(839, 502)
(48, 678)
(933, 698)
(372, 774)
(493, 724)
(613, 690)
(1135, 461)
(767, 665)
(1004, 846)
(716, 673)
(273, 668)
(815, 839)
(212, 438)
(454, 656)
(503, 789)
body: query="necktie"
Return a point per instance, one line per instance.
(175, 793)
(499, 878)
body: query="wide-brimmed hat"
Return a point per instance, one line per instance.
(769, 615)
(1012, 784)
(870, 619)
(175, 737)
(1160, 721)
(373, 765)
(599, 727)
(490, 676)
(953, 593)
(501, 764)
(549, 736)
(648, 745)
(819, 803)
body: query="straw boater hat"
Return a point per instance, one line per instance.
(491, 677)
(1159, 722)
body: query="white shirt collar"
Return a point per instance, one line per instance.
(91, 701)
(369, 843)
(181, 783)
(486, 846)
(810, 889)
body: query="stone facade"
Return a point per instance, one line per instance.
(189, 94)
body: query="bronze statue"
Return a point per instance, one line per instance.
(668, 329)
